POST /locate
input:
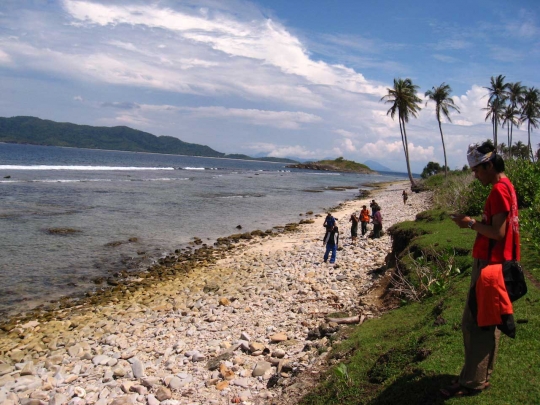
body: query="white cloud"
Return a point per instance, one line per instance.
(471, 105)
(284, 151)
(78, 98)
(276, 119)
(383, 151)
(4, 58)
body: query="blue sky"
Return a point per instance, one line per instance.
(281, 78)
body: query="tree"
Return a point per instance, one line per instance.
(443, 102)
(531, 114)
(510, 117)
(405, 103)
(519, 150)
(516, 92)
(431, 169)
(497, 96)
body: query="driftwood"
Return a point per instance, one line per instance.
(349, 320)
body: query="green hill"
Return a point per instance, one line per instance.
(337, 165)
(35, 131)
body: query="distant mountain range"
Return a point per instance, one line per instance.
(377, 166)
(35, 131)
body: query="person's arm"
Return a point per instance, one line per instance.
(496, 231)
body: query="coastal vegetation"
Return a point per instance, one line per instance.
(509, 104)
(440, 95)
(405, 103)
(337, 165)
(35, 131)
(412, 351)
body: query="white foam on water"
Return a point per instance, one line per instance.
(87, 168)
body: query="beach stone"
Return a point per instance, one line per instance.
(241, 382)
(245, 336)
(279, 337)
(6, 369)
(226, 373)
(176, 383)
(220, 386)
(279, 353)
(100, 359)
(224, 302)
(261, 368)
(137, 368)
(152, 400)
(163, 393)
(118, 371)
(123, 400)
(58, 399)
(150, 381)
(256, 346)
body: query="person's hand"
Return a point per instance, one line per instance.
(461, 220)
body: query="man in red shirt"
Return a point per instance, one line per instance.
(496, 235)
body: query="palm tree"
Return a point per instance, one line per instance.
(510, 117)
(515, 97)
(519, 150)
(406, 103)
(443, 102)
(497, 95)
(531, 113)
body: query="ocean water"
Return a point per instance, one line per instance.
(160, 202)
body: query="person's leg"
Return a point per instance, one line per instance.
(480, 344)
(334, 251)
(364, 228)
(328, 248)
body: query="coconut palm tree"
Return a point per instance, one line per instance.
(515, 97)
(498, 92)
(405, 103)
(443, 102)
(531, 113)
(510, 117)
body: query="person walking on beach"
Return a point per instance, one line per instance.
(331, 241)
(354, 227)
(371, 205)
(497, 241)
(329, 223)
(405, 196)
(377, 221)
(364, 219)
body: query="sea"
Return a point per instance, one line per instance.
(68, 215)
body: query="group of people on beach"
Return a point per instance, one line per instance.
(331, 237)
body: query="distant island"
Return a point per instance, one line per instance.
(36, 131)
(337, 165)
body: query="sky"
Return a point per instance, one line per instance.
(301, 79)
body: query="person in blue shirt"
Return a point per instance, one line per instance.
(331, 240)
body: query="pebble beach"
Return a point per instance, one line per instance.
(240, 328)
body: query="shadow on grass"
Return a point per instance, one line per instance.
(414, 389)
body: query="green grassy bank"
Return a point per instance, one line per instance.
(408, 354)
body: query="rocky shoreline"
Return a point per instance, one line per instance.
(232, 324)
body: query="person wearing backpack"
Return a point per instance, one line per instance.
(497, 242)
(331, 241)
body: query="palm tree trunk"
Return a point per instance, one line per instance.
(529, 147)
(406, 149)
(510, 139)
(444, 149)
(495, 125)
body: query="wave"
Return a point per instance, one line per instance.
(200, 168)
(91, 180)
(87, 168)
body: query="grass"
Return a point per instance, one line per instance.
(408, 354)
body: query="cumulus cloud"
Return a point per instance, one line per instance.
(384, 151)
(284, 151)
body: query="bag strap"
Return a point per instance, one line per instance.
(492, 241)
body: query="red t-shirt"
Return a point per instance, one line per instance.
(500, 199)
